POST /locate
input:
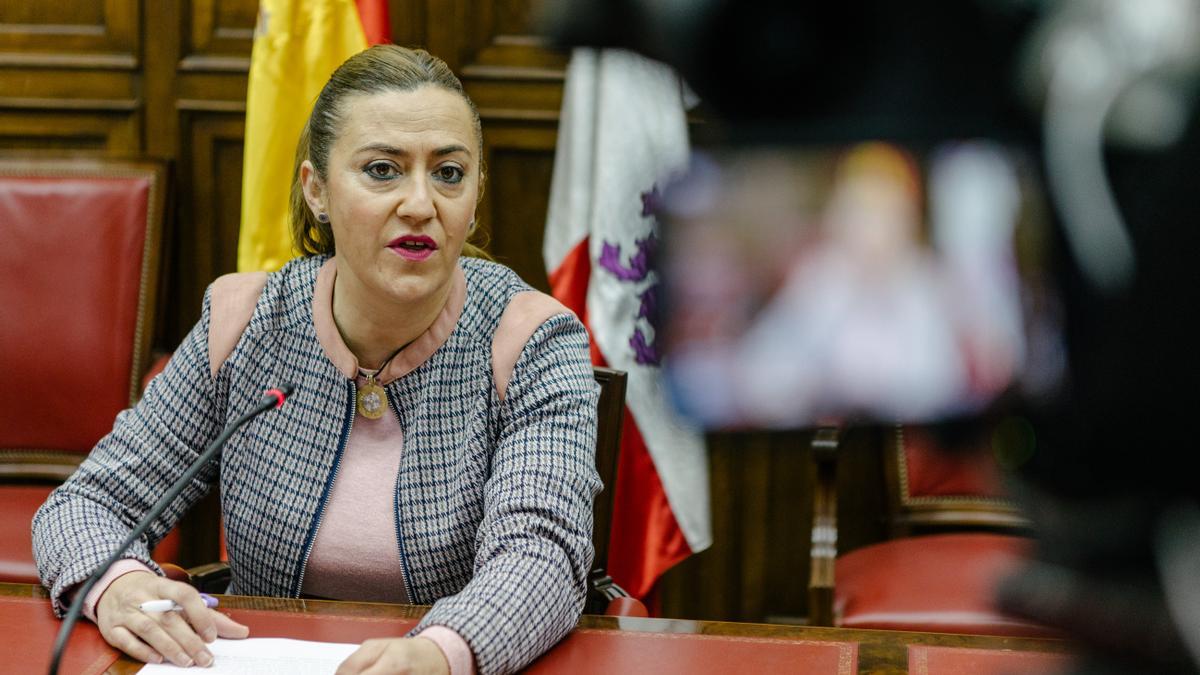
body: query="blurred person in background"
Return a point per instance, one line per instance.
(1107, 89)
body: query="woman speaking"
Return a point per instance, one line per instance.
(440, 447)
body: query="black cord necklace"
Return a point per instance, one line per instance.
(372, 398)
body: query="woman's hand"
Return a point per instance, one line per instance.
(178, 637)
(411, 656)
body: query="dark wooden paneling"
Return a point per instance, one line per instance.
(520, 159)
(407, 21)
(219, 35)
(490, 45)
(757, 566)
(211, 167)
(161, 133)
(34, 130)
(761, 485)
(490, 39)
(69, 88)
(206, 90)
(533, 101)
(212, 91)
(70, 33)
(68, 77)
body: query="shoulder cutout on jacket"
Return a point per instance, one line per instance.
(525, 312)
(231, 304)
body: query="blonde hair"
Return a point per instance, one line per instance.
(378, 69)
(876, 158)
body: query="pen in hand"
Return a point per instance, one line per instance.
(172, 606)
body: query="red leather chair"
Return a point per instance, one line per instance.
(919, 580)
(79, 278)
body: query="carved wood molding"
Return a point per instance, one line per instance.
(491, 40)
(105, 104)
(86, 34)
(62, 60)
(518, 115)
(218, 34)
(210, 105)
(77, 131)
(507, 72)
(207, 63)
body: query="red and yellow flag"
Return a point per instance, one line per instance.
(297, 46)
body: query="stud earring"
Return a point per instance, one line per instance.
(323, 217)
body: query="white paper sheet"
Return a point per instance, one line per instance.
(266, 656)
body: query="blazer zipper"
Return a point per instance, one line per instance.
(337, 462)
(396, 510)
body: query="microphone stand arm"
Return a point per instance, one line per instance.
(274, 399)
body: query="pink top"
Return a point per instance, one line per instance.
(356, 553)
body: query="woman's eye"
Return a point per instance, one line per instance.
(381, 170)
(449, 174)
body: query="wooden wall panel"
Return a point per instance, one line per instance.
(750, 565)
(79, 33)
(517, 87)
(33, 130)
(219, 35)
(532, 101)
(167, 79)
(408, 19)
(757, 567)
(211, 166)
(68, 77)
(208, 94)
(517, 155)
(69, 88)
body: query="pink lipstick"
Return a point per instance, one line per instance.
(414, 247)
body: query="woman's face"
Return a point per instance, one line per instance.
(401, 185)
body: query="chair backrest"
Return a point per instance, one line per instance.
(611, 416)
(933, 486)
(79, 279)
(930, 486)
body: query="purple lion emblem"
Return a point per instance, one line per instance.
(636, 269)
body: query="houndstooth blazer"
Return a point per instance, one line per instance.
(493, 497)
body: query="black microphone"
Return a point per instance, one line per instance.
(272, 398)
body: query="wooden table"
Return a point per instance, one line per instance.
(599, 643)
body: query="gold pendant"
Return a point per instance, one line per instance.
(372, 399)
